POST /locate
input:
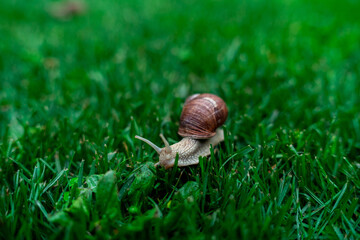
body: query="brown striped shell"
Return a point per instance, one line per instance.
(202, 115)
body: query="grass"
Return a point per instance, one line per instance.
(75, 91)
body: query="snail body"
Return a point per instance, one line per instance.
(200, 120)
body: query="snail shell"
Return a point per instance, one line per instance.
(202, 115)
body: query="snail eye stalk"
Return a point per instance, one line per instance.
(156, 148)
(167, 146)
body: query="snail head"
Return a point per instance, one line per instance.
(167, 155)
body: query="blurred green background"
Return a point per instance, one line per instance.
(79, 79)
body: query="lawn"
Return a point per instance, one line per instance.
(78, 82)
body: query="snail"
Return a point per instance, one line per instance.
(200, 119)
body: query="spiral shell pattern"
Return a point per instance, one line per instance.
(202, 115)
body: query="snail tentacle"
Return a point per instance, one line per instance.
(167, 146)
(156, 148)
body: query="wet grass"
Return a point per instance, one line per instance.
(76, 87)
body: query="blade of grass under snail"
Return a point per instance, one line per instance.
(174, 169)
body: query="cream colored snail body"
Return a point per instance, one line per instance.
(200, 120)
